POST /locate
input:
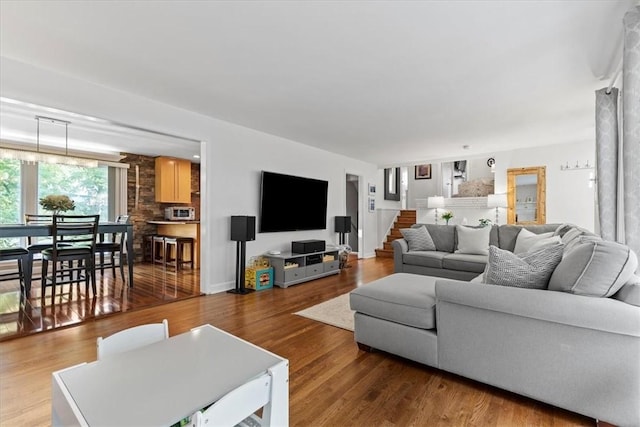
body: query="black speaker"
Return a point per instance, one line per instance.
(343, 224)
(243, 228)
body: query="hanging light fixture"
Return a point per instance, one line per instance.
(30, 156)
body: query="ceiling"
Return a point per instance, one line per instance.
(388, 82)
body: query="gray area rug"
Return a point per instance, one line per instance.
(334, 312)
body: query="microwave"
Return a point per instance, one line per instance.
(180, 213)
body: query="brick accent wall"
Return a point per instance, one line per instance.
(148, 209)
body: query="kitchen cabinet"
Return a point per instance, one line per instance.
(173, 180)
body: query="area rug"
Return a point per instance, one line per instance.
(334, 312)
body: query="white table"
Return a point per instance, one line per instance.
(160, 384)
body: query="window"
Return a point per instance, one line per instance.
(87, 187)
(9, 196)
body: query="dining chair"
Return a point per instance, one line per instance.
(132, 338)
(74, 239)
(20, 255)
(35, 245)
(232, 408)
(112, 244)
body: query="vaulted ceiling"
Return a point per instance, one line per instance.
(389, 82)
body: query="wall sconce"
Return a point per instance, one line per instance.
(435, 202)
(497, 201)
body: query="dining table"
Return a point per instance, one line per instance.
(43, 230)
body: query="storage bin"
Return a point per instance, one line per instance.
(258, 279)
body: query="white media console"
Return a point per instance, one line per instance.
(292, 268)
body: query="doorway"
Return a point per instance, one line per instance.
(352, 194)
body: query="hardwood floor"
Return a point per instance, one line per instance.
(154, 285)
(332, 383)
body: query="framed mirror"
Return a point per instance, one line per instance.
(526, 195)
(392, 184)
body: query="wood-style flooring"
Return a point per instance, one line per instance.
(332, 383)
(72, 305)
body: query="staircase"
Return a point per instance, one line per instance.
(405, 220)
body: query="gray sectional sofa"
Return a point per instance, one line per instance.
(444, 261)
(574, 343)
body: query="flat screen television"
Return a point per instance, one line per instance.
(292, 203)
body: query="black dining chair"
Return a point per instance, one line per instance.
(74, 239)
(112, 244)
(35, 245)
(20, 255)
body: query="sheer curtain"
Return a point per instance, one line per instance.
(607, 162)
(624, 169)
(631, 128)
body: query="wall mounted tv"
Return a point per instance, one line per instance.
(291, 203)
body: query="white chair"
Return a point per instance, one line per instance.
(232, 409)
(132, 338)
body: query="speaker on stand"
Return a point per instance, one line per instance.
(343, 225)
(243, 229)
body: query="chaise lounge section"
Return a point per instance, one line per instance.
(576, 347)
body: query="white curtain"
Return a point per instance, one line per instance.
(607, 161)
(631, 128)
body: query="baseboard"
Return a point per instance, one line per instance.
(217, 287)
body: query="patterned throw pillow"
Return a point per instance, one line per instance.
(418, 239)
(526, 270)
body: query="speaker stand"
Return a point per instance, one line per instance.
(342, 238)
(241, 250)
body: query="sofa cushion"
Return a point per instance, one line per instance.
(630, 291)
(473, 240)
(425, 258)
(418, 239)
(444, 236)
(526, 239)
(403, 298)
(594, 267)
(465, 262)
(526, 270)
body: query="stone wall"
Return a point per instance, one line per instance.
(148, 209)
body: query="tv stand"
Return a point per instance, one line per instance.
(293, 268)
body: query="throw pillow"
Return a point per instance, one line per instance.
(526, 270)
(418, 239)
(544, 242)
(526, 239)
(594, 267)
(473, 240)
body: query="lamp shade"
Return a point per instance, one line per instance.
(497, 200)
(435, 202)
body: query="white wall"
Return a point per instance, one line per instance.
(569, 198)
(232, 158)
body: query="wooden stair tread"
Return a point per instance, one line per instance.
(405, 219)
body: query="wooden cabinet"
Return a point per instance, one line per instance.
(173, 180)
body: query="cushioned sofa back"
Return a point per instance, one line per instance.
(445, 238)
(507, 234)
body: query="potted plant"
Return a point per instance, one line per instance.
(57, 203)
(447, 216)
(484, 222)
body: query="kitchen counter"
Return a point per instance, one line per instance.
(167, 222)
(181, 229)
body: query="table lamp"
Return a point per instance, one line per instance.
(436, 202)
(497, 201)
